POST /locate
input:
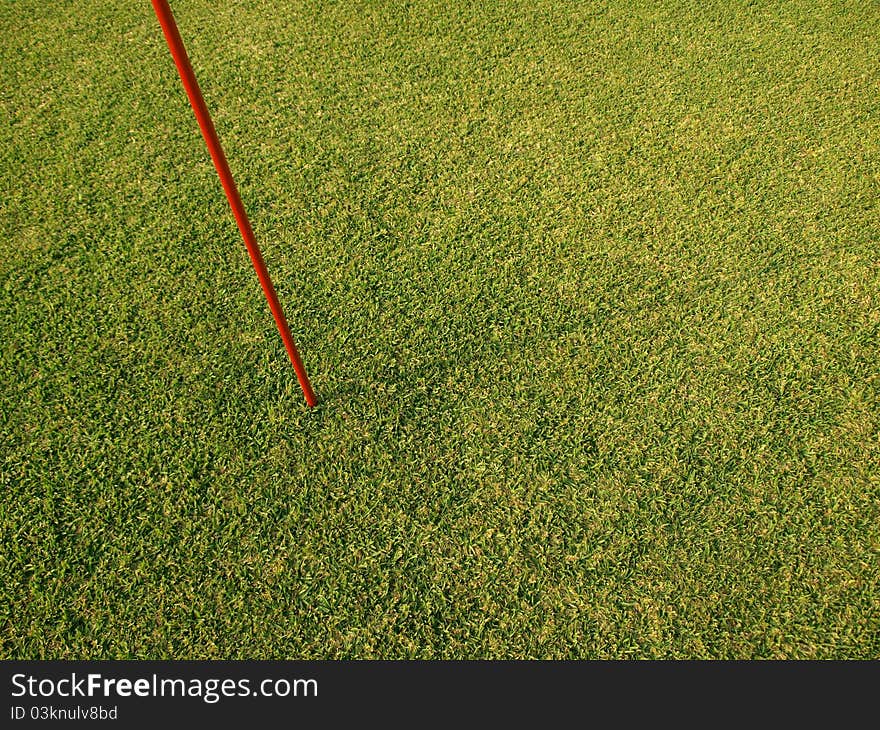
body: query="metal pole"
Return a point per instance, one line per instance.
(181, 60)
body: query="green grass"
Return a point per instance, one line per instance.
(589, 291)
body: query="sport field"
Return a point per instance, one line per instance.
(589, 291)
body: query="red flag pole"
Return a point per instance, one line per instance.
(181, 60)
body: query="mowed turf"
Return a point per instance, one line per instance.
(589, 292)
